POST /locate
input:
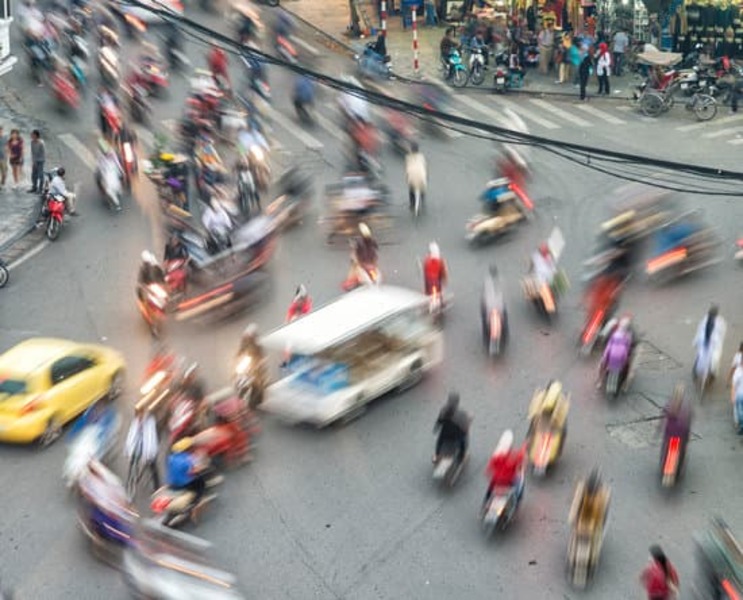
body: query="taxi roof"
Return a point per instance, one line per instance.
(33, 354)
(341, 319)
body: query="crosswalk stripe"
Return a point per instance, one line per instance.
(722, 132)
(330, 127)
(561, 113)
(530, 116)
(609, 118)
(293, 129)
(702, 125)
(485, 110)
(736, 142)
(79, 149)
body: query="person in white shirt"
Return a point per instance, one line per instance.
(416, 174)
(708, 343)
(736, 397)
(58, 187)
(217, 222)
(619, 47)
(142, 444)
(603, 68)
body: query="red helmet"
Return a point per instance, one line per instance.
(544, 250)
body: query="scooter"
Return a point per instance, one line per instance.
(477, 66)
(175, 507)
(584, 551)
(500, 79)
(55, 209)
(545, 448)
(671, 461)
(449, 466)
(153, 302)
(455, 71)
(493, 314)
(64, 90)
(129, 162)
(225, 442)
(109, 184)
(501, 507)
(592, 330)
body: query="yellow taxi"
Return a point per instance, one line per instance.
(46, 382)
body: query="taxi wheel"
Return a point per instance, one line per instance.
(51, 433)
(117, 386)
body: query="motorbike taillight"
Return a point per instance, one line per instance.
(160, 504)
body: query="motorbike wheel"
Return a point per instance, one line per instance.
(477, 76)
(459, 78)
(272, 2)
(705, 107)
(651, 105)
(4, 276)
(52, 229)
(612, 384)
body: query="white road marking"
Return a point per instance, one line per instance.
(736, 142)
(530, 116)
(30, 254)
(79, 149)
(702, 125)
(311, 49)
(498, 117)
(624, 108)
(722, 133)
(561, 113)
(609, 118)
(295, 130)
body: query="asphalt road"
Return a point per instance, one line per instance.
(351, 512)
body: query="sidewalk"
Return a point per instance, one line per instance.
(19, 209)
(332, 18)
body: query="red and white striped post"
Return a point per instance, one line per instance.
(415, 41)
(383, 16)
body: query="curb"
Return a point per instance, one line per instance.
(325, 34)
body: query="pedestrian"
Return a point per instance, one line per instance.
(734, 90)
(603, 68)
(546, 42)
(584, 72)
(15, 156)
(619, 47)
(566, 62)
(660, 578)
(38, 158)
(142, 444)
(3, 158)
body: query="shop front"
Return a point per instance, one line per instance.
(715, 24)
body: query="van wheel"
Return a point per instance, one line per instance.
(355, 412)
(414, 376)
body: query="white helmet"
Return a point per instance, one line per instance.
(505, 443)
(148, 257)
(251, 331)
(301, 292)
(433, 249)
(364, 230)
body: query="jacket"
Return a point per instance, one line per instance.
(603, 64)
(416, 171)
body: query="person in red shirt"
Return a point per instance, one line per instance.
(217, 60)
(301, 304)
(435, 273)
(505, 468)
(660, 578)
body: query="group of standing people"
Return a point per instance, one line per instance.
(12, 153)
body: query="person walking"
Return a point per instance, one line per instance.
(566, 62)
(603, 68)
(15, 156)
(660, 580)
(619, 47)
(3, 158)
(584, 72)
(38, 158)
(142, 447)
(546, 42)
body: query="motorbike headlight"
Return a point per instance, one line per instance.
(243, 365)
(257, 153)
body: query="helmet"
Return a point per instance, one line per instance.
(505, 443)
(594, 481)
(301, 292)
(61, 171)
(251, 331)
(183, 445)
(414, 147)
(433, 249)
(364, 230)
(148, 257)
(713, 310)
(544, 250)
(624, 323)
(551, 394)
(452, 402)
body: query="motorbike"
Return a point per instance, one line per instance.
(545, 446)
(584, 550)
(598, 320)
(543, 297)
(183, 419)
(158, 388)
(363, 275)
(373, 65)
(449, 465)
(400, 133)
(244, 378)
(493, 314)
(484, 227)
(247, 191)
(129, 162)
(226, 443)
(174, 506)
(501, 507)
(95, 441)
(671, 461)
(55, 210)
(286, 50)
(140, 108)
(500, 77)
(455, 71)
(259, 167)
(64, 90)
(109, 184)
(4, 274)
(153, 302)
(616, 376)
(108, 67)
(176, 277)
(477, 66)
(152, 76)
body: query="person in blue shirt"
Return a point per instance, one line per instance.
(304, 93)
(185, 469)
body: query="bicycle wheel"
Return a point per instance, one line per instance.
(704, 107)
(651, 105)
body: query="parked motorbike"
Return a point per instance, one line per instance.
(449, 466)
(494, 316)
(501, 76)
(477, 66)
(456, 72)
(501, 508)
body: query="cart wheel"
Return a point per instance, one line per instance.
(651, 105)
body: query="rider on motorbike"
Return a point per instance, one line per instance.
(150, 271)
(549, 406)
(175, 250)
(659, 578)
(618, 349)
(505, 467)
(435, 272)
(453, 426)
(677, 423)
(708, 342)
(186, 469)
(217, 61)
(364, 250)
(590, 504)
(301, 304)
(250, 346)
(416, 174)
(304, 93)
(58, 189)
(218, 224)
